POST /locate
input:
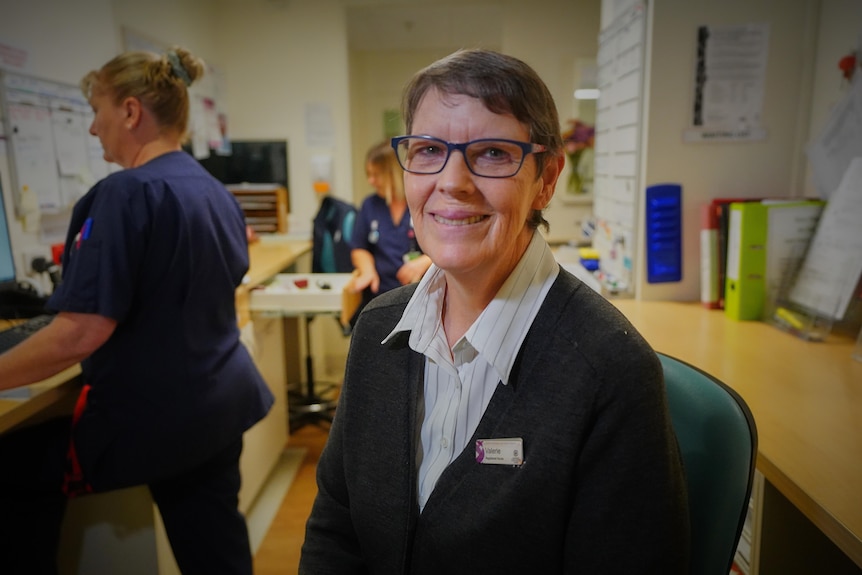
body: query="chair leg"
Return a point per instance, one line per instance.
(309, 408)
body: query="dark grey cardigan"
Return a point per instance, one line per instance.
(601, 489)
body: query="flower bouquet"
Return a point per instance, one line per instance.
(579, 137)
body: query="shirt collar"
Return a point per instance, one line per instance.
(500, 329)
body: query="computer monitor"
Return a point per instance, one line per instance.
(250, 161)
(7, 258)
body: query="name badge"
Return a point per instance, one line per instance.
(508, 451)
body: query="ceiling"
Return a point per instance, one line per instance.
(418, 25)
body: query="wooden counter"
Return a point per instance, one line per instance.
(54, 392)
(266, 259)
(806, 398)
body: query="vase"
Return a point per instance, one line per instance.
(575, 184)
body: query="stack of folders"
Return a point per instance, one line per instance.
(766, 242)
(713, 249)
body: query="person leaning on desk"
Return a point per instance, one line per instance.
(499, 417)
(152, 259)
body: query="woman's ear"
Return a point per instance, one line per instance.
(134, 111)
(550, 175)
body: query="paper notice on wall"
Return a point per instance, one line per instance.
(730, 79)
(319, 127)
(35, 159)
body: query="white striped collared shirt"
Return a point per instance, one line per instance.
(459, 383)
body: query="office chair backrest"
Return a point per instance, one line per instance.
(718, 439)
(333, 226)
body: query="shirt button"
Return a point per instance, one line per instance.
(444, 443)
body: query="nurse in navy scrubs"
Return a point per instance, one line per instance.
(383, 248)
(153, 256)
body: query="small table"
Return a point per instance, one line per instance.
(305, 296)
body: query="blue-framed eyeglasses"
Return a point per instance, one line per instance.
(488, 157)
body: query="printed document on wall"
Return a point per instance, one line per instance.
(833, 264)
(35, 159)
(730, 79)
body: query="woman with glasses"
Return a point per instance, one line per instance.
(499, 417)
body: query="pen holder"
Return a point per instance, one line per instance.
(799, 321)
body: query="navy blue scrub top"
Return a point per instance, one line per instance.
(161, 249)
(376, 232)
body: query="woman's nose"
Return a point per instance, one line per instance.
(455, 174)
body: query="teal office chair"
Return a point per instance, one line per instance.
(718, 439)
(332, 228)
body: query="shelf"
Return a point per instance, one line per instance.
(265, 207)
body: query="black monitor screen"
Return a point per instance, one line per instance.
(250, 161)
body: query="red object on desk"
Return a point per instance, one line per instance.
(57, 253)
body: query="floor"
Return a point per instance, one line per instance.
(278, 551)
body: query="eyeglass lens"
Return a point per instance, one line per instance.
(492, 158)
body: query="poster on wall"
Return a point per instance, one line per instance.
(729, 81)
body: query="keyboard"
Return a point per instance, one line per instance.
(14, 335)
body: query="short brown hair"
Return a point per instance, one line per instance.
(505, 85)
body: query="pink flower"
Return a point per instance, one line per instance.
(578, 137)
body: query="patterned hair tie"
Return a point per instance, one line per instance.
(177, 68)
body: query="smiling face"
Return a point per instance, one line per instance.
(469, 224)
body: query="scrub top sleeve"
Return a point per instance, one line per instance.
(101, 268)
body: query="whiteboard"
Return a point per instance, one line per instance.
(52, 156)
(620, 64)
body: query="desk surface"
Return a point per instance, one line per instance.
(266, 259)
(806, 398)
(42, 396)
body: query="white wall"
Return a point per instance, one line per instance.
(63, 40)
(278, 58)
(188, 23)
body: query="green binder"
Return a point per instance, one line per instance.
(764, 238)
